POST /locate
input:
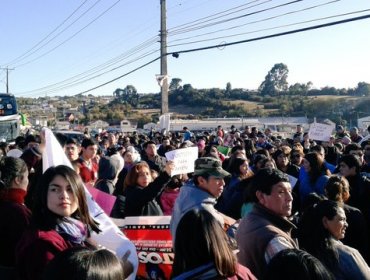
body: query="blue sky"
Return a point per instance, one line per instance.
(100, 41)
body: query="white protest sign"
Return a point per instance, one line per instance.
(320, 131)
(183, 159)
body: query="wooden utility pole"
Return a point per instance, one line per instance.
(7, 77)
(164, 81)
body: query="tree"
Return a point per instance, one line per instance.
(300, 89)
(363, 89)
(275, 80)
(175, 84)
(128, 95)
(228, 87)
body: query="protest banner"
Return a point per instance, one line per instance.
(104, 200)
(183, 159)
(110, 236)
(320, 131)
(152, 238)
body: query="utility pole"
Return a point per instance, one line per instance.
(164, 82)
(7, 77)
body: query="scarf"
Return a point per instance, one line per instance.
(72, 230)
(13, 195)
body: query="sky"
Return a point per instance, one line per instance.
(67, 47)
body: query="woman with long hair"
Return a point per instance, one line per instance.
(321, 228)
(14, 215)
(60, 220)
(337, 189)
(202, 250)
(142, 190)
(231, 200)
(314, 177)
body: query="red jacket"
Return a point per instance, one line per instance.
(88, 175)
(35, 250)
(14, 219)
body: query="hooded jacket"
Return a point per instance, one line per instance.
(191, 196)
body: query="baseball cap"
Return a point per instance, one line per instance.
(211, 166)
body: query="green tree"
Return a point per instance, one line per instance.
(128, 95)
(175, 84)
(275, 81)
(228, 87)
(362, 89)
(300, 89)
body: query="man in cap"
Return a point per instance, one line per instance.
(265, 231)
(202, 192)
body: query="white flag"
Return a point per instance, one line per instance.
(110, 236)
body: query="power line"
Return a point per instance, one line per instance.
(212, 24)
(234, 43)
(254, 22)
(201, 20)
(115, 79)
(99, 68)
(86, 79)
(270, 28)
(47, 36)
(273, 35)
(70, 37)
(91, 71)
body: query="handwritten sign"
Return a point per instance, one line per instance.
(320, 132)
(184, 160)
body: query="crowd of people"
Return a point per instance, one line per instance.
(257, 206)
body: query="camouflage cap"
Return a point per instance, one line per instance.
(211, 166)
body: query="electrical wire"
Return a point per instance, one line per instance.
(70, 37)
(86, 79)
(120, 77)
(212, 24)
(25, 55)
(272, 35)
(98, 68)
(73, 82)
(216, 15)
(94, 71)
(233, 43)
(254, 22)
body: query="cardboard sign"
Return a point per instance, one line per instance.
(320, 132)
(152, 238)
(184, 160)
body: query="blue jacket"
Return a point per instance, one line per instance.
(191, 196)
(306, 187)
